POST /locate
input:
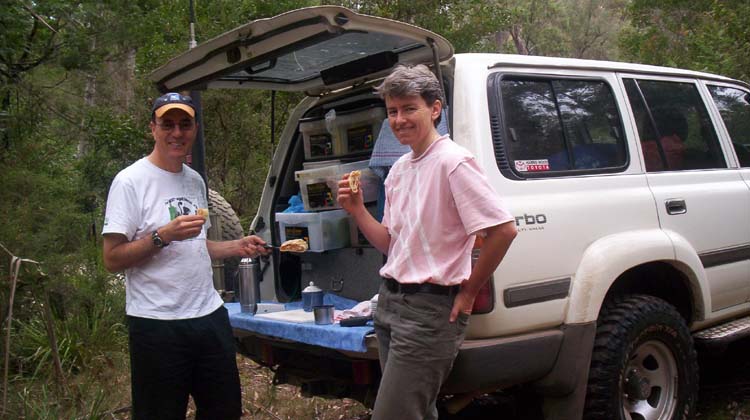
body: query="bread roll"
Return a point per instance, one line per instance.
(294, 245)
(354, 180)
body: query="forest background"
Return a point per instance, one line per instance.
(74, 110)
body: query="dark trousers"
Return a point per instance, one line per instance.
(417, 345)
(170, 360)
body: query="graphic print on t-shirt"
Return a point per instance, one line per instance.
(181, 206)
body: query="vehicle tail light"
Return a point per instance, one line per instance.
(485, 300)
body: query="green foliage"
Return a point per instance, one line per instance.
(88, 325)
(25, 41)
(114, 142)
(465, 23)
(562, 28)
(708, 35)
(91, 398)
(88, 314)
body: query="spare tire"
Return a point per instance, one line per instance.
(230, 229)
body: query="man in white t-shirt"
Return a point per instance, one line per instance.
(437, 200)
(180, 339)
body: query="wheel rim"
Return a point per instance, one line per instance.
(650, 383)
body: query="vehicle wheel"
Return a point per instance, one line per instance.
(230, 229)
(644, 365)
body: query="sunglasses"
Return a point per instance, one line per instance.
(170, 126)
(172, 97)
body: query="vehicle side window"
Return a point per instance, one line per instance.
(734, 106)
(675, 130)
(559, 127)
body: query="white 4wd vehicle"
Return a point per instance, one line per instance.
(631, 190)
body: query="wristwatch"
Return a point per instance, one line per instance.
(157, 240)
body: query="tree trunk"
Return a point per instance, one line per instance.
(518, 40)
(501, 37)
(89, 100)
(128, 90)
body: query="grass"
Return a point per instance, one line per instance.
(89, 395)
(106, 395)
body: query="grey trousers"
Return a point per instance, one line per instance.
(417, 346)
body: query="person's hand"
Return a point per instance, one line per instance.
(182, 227)
(463, 302)
(252, 246)
(348, 200)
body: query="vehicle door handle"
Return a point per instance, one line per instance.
(676, 206)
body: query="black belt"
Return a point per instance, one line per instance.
(410, 288)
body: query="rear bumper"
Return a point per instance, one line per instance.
(554, 361)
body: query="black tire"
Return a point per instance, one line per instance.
(230, 229)
(644, 365)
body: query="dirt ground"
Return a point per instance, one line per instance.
(262, 400)
(724, 395)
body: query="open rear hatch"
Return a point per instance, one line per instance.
(321, 51)
(315, 50)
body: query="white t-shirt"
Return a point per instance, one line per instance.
(177, 282)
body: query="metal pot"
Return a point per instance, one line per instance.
(312, 296)
(323, 314)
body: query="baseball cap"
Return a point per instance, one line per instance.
(172, 100)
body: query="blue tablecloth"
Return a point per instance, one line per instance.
(331, 336)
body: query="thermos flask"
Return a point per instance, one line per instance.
(249, 284)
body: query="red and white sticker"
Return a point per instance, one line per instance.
(539, 165)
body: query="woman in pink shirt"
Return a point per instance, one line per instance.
(437, 201)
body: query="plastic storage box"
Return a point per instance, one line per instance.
(345, 133)
(322, 231)
(319, 186)
(359, 130)
(315, 187)
(319, 143)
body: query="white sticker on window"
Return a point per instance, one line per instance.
(532, 165)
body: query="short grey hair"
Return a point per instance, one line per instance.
(416, 80)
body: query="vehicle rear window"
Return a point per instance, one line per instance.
(675, 130)
(560, 127)
(734, 106)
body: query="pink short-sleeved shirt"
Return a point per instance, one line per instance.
(434, 206)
